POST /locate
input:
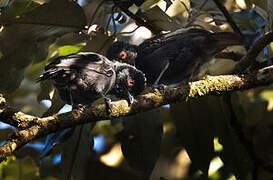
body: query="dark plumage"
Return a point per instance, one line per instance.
(84, 77)
(173, 57)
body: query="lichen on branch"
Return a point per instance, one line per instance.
(31, 127)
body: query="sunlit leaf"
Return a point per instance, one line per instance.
(66, 50)
(21, 168)
(268, 96)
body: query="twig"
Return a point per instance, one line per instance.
(128, 32)
(113, 20)
(139, 21)
(250, 58)
(228, 17)
(209, 86)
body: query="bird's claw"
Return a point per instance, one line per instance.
(107, 105)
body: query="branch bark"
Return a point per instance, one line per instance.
(31, 127)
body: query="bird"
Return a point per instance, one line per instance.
(82, 78)
(173, 57)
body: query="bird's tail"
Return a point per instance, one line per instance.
(225, 39)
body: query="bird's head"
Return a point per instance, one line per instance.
(122, 52)
(130, 82)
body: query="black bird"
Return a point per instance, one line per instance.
(84, 77)
(173, 57)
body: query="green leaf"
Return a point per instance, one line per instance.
(21, 168)
(26, 39)
(17, 8)
(66, 50)
(61, 13)
(268, 96)
(5, 163)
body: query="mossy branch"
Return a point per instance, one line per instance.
(31, 127)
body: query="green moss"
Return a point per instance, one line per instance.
(119, 108)
(209, 84)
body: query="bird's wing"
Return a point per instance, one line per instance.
(176, 37)
(73, 63)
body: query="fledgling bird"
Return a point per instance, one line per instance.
(82, 78)
(173, 57)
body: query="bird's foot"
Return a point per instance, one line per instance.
(107, 102)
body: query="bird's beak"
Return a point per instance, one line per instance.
(130, 98)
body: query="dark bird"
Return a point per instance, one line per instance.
(173, 57)
(84, 77)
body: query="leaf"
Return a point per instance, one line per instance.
(238, 161)
(195, 131)
(149, 4)
(198, 122)
(21, 168)
(262, 141)
(65, 13)
(71, 38)
(158, 18)
(77, 153)
(98, 43)
(5, 163)
(66, 50)
(17, 8)
(32, 33)
(141, 140)
(268, 96)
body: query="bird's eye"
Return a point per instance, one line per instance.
(122, 55)
(130, 82)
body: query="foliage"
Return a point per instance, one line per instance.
(33, 32)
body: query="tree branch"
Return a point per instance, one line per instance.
(249, 60)
(231, 22)
(35, 127)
